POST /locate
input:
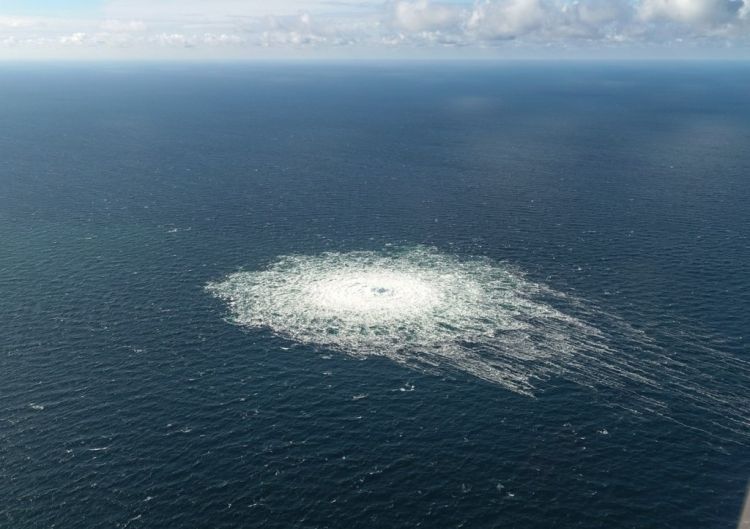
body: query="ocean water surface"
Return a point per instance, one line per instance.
(384, 295)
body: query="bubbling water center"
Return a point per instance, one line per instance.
(384, 292)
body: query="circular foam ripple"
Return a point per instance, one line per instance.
(436, 312)
(418, 307)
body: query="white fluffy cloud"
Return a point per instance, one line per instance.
(422, 15)
(698, 12)
(239, 28)
(507, 18)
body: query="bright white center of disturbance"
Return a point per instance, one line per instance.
(381, 293)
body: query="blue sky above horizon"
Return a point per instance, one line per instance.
(250, 29)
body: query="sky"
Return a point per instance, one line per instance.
(373, 29)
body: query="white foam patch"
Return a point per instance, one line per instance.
(417, 307)
(436, 312)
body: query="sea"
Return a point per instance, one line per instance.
(374, 295)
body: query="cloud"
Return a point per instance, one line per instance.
(506, 19)
(696, 12)
(239, 28)
(422, 15)
(76, 39)
(124, 26)
(11, 23)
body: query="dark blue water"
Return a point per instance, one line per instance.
(128, 400)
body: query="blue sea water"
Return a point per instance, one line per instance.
(129, 396)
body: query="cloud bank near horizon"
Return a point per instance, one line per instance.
(235, 29)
